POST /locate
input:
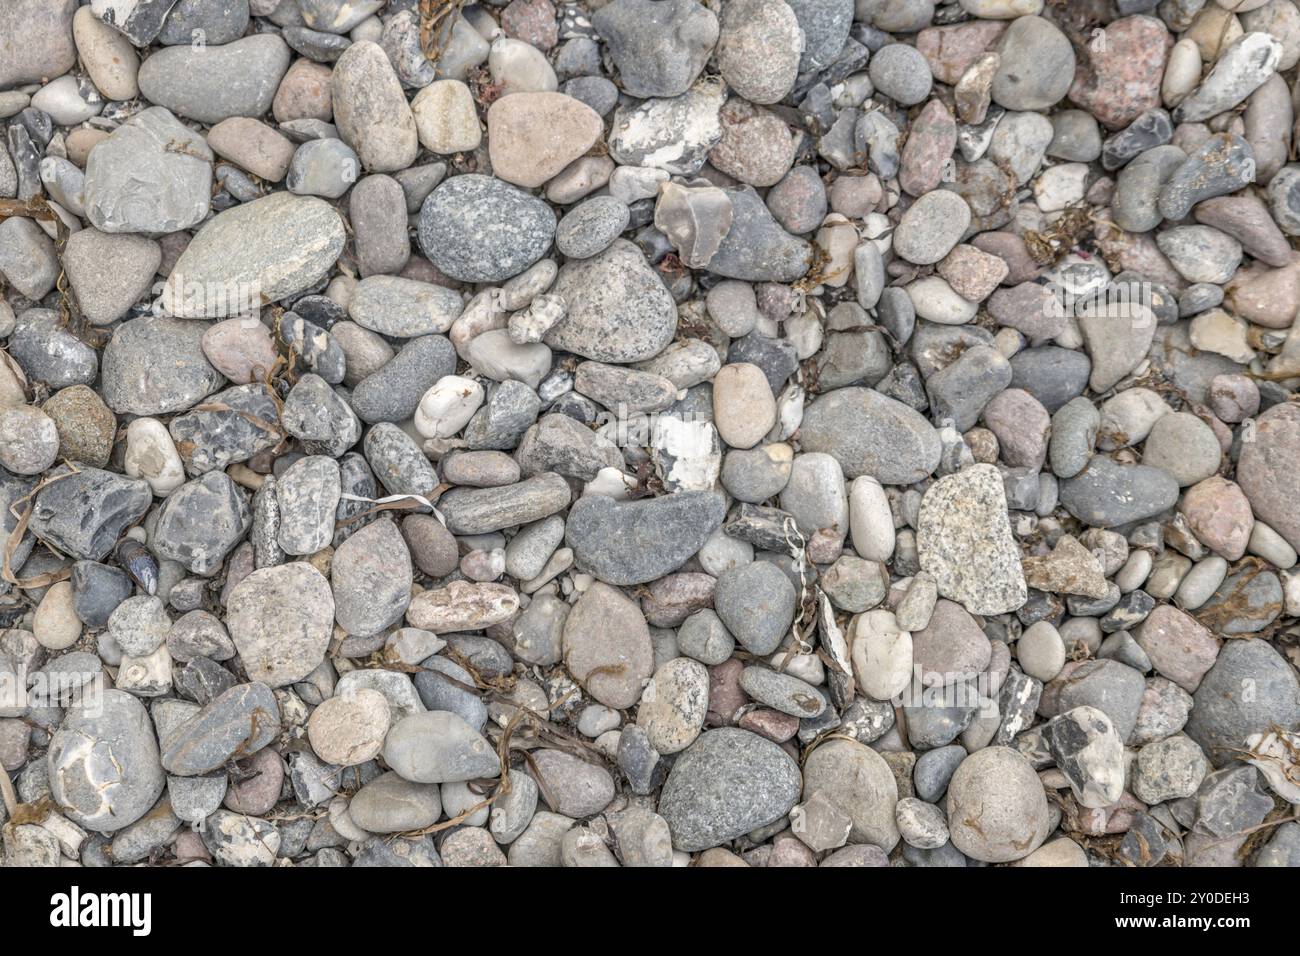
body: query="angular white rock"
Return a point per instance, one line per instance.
(882, 654)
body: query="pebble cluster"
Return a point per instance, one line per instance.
(649, 432)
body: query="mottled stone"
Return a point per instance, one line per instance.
(726, 784)
(281, 619)
(965, 541)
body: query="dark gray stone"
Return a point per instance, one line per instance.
(1153, 128)
(97, 590)
(757, 603)
(1051, 374)
(510, 409)
(1113, 688)
(483, 510)
(825, 24)
(212, 83)
(445, 685)
(318, 417)
(392, 393)
(1223, 165)
(633, 542)
(205, 21)
(870, 434)
(1106, 494)
(135, 382)
(659, 48)
(1250, 689)
(398, 462)
(560, 444)
(236, 724)
(959, 392)
(201, 522)
(934, 769)
(313, 348)
(85, 513)
(756, 248)
(47, 352)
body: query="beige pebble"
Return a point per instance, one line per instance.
(13, 383)
(744, 409)
(55, 624)
(350, 729)
(240, 349)
(533, 136)
(1062, 852)
(107, 56)
(445, 118)
(1182, 72)
(29, 439)
(151, 454)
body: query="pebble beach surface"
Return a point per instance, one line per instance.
(649, 433)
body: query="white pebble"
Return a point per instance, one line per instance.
(871, 523)
(448, 406)
(151, 455)
(882, 654)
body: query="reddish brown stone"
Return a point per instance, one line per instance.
(1012, 250)
(1116, 818)
(1219, 515)
(1030, 308)
(929, 146)
(1022, 424)
(789, 851)
(1264, 296)
(725, 695)
(771, 724)
(258, 792)
(1269, 470)
(951, 50)
(1119, 72)
(756, 146)
(1179, 647)
(671, 600)
(1138, 252)
(532, 21)
(189, 847)
(973, 273)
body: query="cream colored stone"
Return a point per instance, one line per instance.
(107, 56)
(55, 624)
(744, 409)
(445, 118)
(349, 729)
(151, 454)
